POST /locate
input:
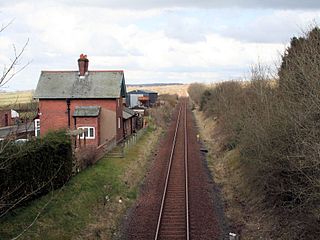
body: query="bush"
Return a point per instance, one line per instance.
(276, 126)
(33, 168)
(162, 115)
(195, 91)
(85, 157)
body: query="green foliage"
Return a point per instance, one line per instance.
(34, 168)
(80, 209)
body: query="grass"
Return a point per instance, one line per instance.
(80, 209)
(12, 98)
(181, 90)
(228, 172)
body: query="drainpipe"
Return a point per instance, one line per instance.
(68, 111)
(75, 128)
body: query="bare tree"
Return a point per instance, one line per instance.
(10, 71)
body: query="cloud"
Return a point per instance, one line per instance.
(185, 29)
(153, 41)
(276, 27)
(151, 4)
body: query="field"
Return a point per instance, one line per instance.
(181, 90)
(12, 98)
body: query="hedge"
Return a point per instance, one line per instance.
(31, 169)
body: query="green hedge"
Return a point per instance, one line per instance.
(31, 169)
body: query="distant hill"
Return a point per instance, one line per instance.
(14, 98)
(153, 84)
(162, 88)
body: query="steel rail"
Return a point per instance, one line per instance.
(186, 169)
(167, 176)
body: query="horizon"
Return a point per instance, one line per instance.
(157, 42)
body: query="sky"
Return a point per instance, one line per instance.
(153, 41)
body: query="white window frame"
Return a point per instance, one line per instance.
(119, 122)
(88, 131)
(37, 127)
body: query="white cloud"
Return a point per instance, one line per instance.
(185, 29)
(153, 45)
(279, 26)
(147, 4)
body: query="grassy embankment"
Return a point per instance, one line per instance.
(265, 144)
(227, 173)
(91, 205)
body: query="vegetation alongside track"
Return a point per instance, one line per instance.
(89, 205)
(266, 144)
(93, 202)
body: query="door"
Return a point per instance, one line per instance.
(6, 120)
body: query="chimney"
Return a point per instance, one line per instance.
(83, 64)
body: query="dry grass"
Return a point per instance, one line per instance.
(12, 98)
(226, 169)
(107, 215)
(181, 90)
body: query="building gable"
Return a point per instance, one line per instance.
(68, 84)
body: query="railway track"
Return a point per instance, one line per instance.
(173, 219)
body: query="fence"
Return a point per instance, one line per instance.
(126, 144)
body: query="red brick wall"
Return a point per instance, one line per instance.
(90, 122)
(3, 114)
(54, 113)
(120, 133)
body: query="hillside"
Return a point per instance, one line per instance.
(11, 98)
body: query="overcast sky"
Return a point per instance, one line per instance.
(152, 41)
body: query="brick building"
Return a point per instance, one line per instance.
(83, 99)
(8, 117)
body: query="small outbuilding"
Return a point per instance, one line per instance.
(129, 122)
(8, 117)
(144, 98)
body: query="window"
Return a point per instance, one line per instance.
(89, 132)
(119, 122)
(37, 127)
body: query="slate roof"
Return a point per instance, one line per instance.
(127, 113)
(86, 111)
(68, 84)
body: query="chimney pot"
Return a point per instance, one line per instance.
(83, 64)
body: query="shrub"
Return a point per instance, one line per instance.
(85, 157)
(33, 168)
(276, 126)
(195, 91)
(162, 115)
